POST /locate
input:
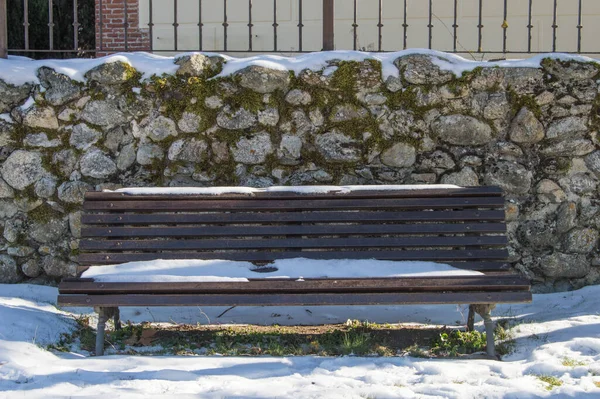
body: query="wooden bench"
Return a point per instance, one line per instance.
(462, 227)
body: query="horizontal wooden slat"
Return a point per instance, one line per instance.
(258, 256)
(422, 193)
(296, 299)
(414, 284)
(356, 229)
(283, 217)
(274, 243)
(295, 204)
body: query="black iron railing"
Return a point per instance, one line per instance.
(134, 28)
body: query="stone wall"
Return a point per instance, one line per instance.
(532, 131)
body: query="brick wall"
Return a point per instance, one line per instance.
(110, 34)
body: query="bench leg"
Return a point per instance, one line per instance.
(102, 318)
(485, 311)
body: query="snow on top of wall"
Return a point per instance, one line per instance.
(294, 189)
(199, 270)
(20, 70)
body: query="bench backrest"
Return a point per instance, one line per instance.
(463, 227)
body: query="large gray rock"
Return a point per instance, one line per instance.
(160, 128)
(462, 130)
(549, 191)
(103, 113)
(110, 73)
(559, 265)
(57, 267)
(592, 161)
(263, 80)
(149, 153)
(45, 187)
(347, 112)
(420, 69)
(566, 217)
(497, 106)
(570, 70)
(400, 155)
(337, 147)
(6, 191)
(9, 271)
(569, 148)
(198, 65)
(522, 80)
(65, 161)
(290, 149)
(466, 177)
(567, 128)
(189, 122)
(193, 150)
(236, 120)
(73, 192)
(40, 117)
(51, 231)
(253, 150)
(83, 136)
(582, 241)
(8, 209)
(298, 97)
(11, 96)
(60, 89)
(438, 162)
(22, 169)
(96, 164)
(32, 268)
(526, 128)
(126, 157)
(513, 177)
(268, 116)
(40, 140)
(537, 235)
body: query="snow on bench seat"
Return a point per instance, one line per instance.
(199, 270)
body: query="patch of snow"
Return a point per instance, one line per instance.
(297, 268)
(28, 104)
(19, 70)
(6, 117)
(136, 90)
(294, 189)
(550, 330)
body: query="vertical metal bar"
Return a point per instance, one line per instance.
(328, 16)
(250, 25)
(554, 26)
(175, 25)
(380, 26)
(150, 25)
(51, 24)
(504, 26)
(225, 25)
(355, 29)
(75, 26)
(300, 25)
(529, 26)
(126, 23)
(455, 25)
(200, 25)
(579, 27)
(3, 30)
(430, 25)
(275, 25)
(480, 28)
(405, 26)
(101, 18)
(25, 23)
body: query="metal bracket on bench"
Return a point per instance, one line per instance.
(485, 311)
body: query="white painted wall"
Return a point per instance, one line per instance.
(417, 12)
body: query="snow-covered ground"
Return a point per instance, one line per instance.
(557, 335)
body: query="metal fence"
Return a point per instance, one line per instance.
(476, 32)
